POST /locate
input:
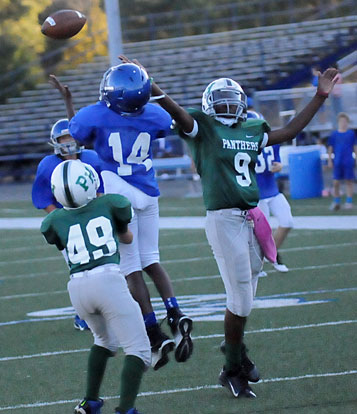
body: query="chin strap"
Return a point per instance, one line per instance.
(226, 121)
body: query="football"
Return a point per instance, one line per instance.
(63, 24)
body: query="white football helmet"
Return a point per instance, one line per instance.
(74, 183)
(225, 100)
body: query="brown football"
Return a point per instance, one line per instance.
(63, 24)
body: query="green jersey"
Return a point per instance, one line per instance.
(89, 233)
(225, 158)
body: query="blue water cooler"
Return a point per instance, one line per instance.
(305, 173)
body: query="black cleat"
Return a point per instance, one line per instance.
(181, 327)
(236, 383)
(161, 345)
(249, 369)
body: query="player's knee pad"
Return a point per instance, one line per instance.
(112, 348)
(287, 222)
(144, 354)
(148, 260)
(240, 302)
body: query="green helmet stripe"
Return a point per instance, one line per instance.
(67, 190)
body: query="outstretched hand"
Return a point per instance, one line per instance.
(327, 80)
(63, 89)
(124, 59)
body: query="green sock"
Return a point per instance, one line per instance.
(131, 375)
(97, 362)
(233, 356)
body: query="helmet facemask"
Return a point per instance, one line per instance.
(60, 132)
(225, 100)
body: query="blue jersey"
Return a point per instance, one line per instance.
(265, 178)
(123, 143)
(342, 144)
(42, 195)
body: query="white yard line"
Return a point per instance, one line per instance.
(187, 389)
(190, 245)
(195, 338)
(300, 222)
(278, 295)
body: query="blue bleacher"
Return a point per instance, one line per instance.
(183, 67)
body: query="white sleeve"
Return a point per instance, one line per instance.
(265, 140)
(194, 131)
(64, 252)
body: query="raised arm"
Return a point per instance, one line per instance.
(66, 95)
(183, 119)
(326, 83)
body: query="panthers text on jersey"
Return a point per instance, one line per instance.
(265, 178)
(42, 195)
(225, 159)
(89, 233)
(123, 142)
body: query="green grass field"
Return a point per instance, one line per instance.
(301, 334)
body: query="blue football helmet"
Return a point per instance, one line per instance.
(70, 146)
(254, 115)
(125, 88)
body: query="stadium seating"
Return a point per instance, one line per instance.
(255, 57)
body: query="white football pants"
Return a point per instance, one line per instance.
(144, 249)
(238, 256)
(278, 207)
(101, 297)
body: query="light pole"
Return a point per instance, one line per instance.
(115, 43)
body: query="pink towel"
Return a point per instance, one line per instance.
(263, 233)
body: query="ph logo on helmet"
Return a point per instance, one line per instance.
(82, 179)
(74, 183)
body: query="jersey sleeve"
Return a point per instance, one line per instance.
(164, 123)
(200, 118)
(49, 233)
(331, 140)
(266, 128)
(80, 128)
(42, 195)
(122, 212)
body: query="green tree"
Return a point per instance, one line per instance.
(21, 41)
(11, 9)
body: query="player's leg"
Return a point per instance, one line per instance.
(280, 208)
(349, 177)
(78, 323)
(124, 318)
(337, 177)
(130, 265)
(349, 194)
(228, 236)
(115, 319)
(102, 349)
(180, 324)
